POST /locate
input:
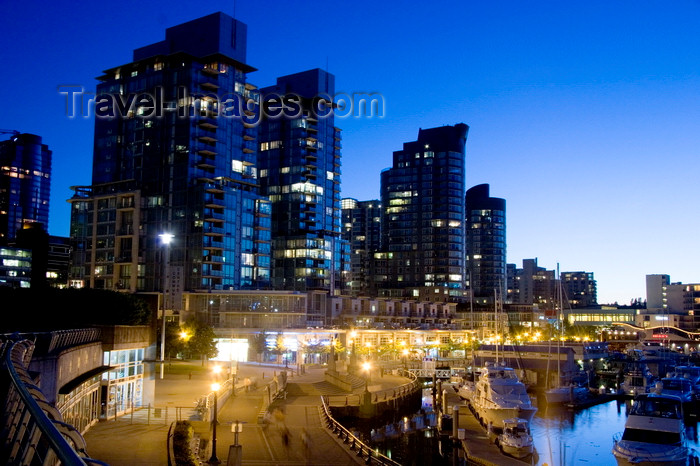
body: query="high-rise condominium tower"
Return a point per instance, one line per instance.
(299, 164)
(486, 244)
(25, 184)
(175, 158)
(422, 198)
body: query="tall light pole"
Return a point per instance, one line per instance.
(366, 366)
(165, 239)
(214, 460)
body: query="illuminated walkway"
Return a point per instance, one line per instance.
(122, 442)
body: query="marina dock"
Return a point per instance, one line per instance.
(473, 438)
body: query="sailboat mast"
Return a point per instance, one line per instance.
(560, 324)
(495, 323)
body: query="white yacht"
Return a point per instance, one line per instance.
(499, 395)
(654, 433)
(515, 440)
(681, 387)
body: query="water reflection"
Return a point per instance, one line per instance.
(565, 437)
(561, 436)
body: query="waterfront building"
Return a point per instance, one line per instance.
(15, 267)
(485, 226)
(422, 197)
(670, 304)
(655, 290)
(299, 168)
(535, 285)
(58, 261)
(362, 230)
(302, 345)
(25, 184)
(186, 172)
(579, 289)
(512, 293)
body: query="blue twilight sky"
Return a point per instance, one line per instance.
(584, 115)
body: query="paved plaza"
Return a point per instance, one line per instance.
(295, 434)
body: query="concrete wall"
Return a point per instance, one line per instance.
(56, 370)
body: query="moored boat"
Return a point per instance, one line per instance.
(654, 433)
(499, 395)
(515, 440)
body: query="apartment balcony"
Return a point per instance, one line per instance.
(208, 123)
(213, 216)
(213, 273)
(205, 165)
(213, 259)
(213, 188)
(310, 157)
(207, 139)
(213, 243)
(211, 230)
(210, 71)
(209, 82)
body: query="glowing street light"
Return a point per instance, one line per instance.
(366, 366)
(165, 239)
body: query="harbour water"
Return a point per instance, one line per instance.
(566, 437)
(562, 437)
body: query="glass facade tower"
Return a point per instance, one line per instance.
(175, 152)
(299, 163)
(362, 230)
(486, 244)
(422, 198)
(25, 184)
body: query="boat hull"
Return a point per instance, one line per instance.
(645, 454)
(496, 415)
(517, 451)
(564, 394)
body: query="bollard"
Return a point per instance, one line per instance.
(455, 421)
(148, 421)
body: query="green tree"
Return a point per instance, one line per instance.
(201, 342)
(174, 342)
(260, 345)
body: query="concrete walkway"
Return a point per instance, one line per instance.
(129, 443)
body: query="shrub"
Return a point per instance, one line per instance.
(182, 440)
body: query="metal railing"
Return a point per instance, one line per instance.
(33, 430)
(354, 444)
(382, 395)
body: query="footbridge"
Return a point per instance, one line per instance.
(33, 431)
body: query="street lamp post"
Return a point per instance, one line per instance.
(214, 460)
(366, 366)
(166, 239)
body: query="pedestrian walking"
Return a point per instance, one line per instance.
(305, 440)
(285, 439)
(267, 419)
